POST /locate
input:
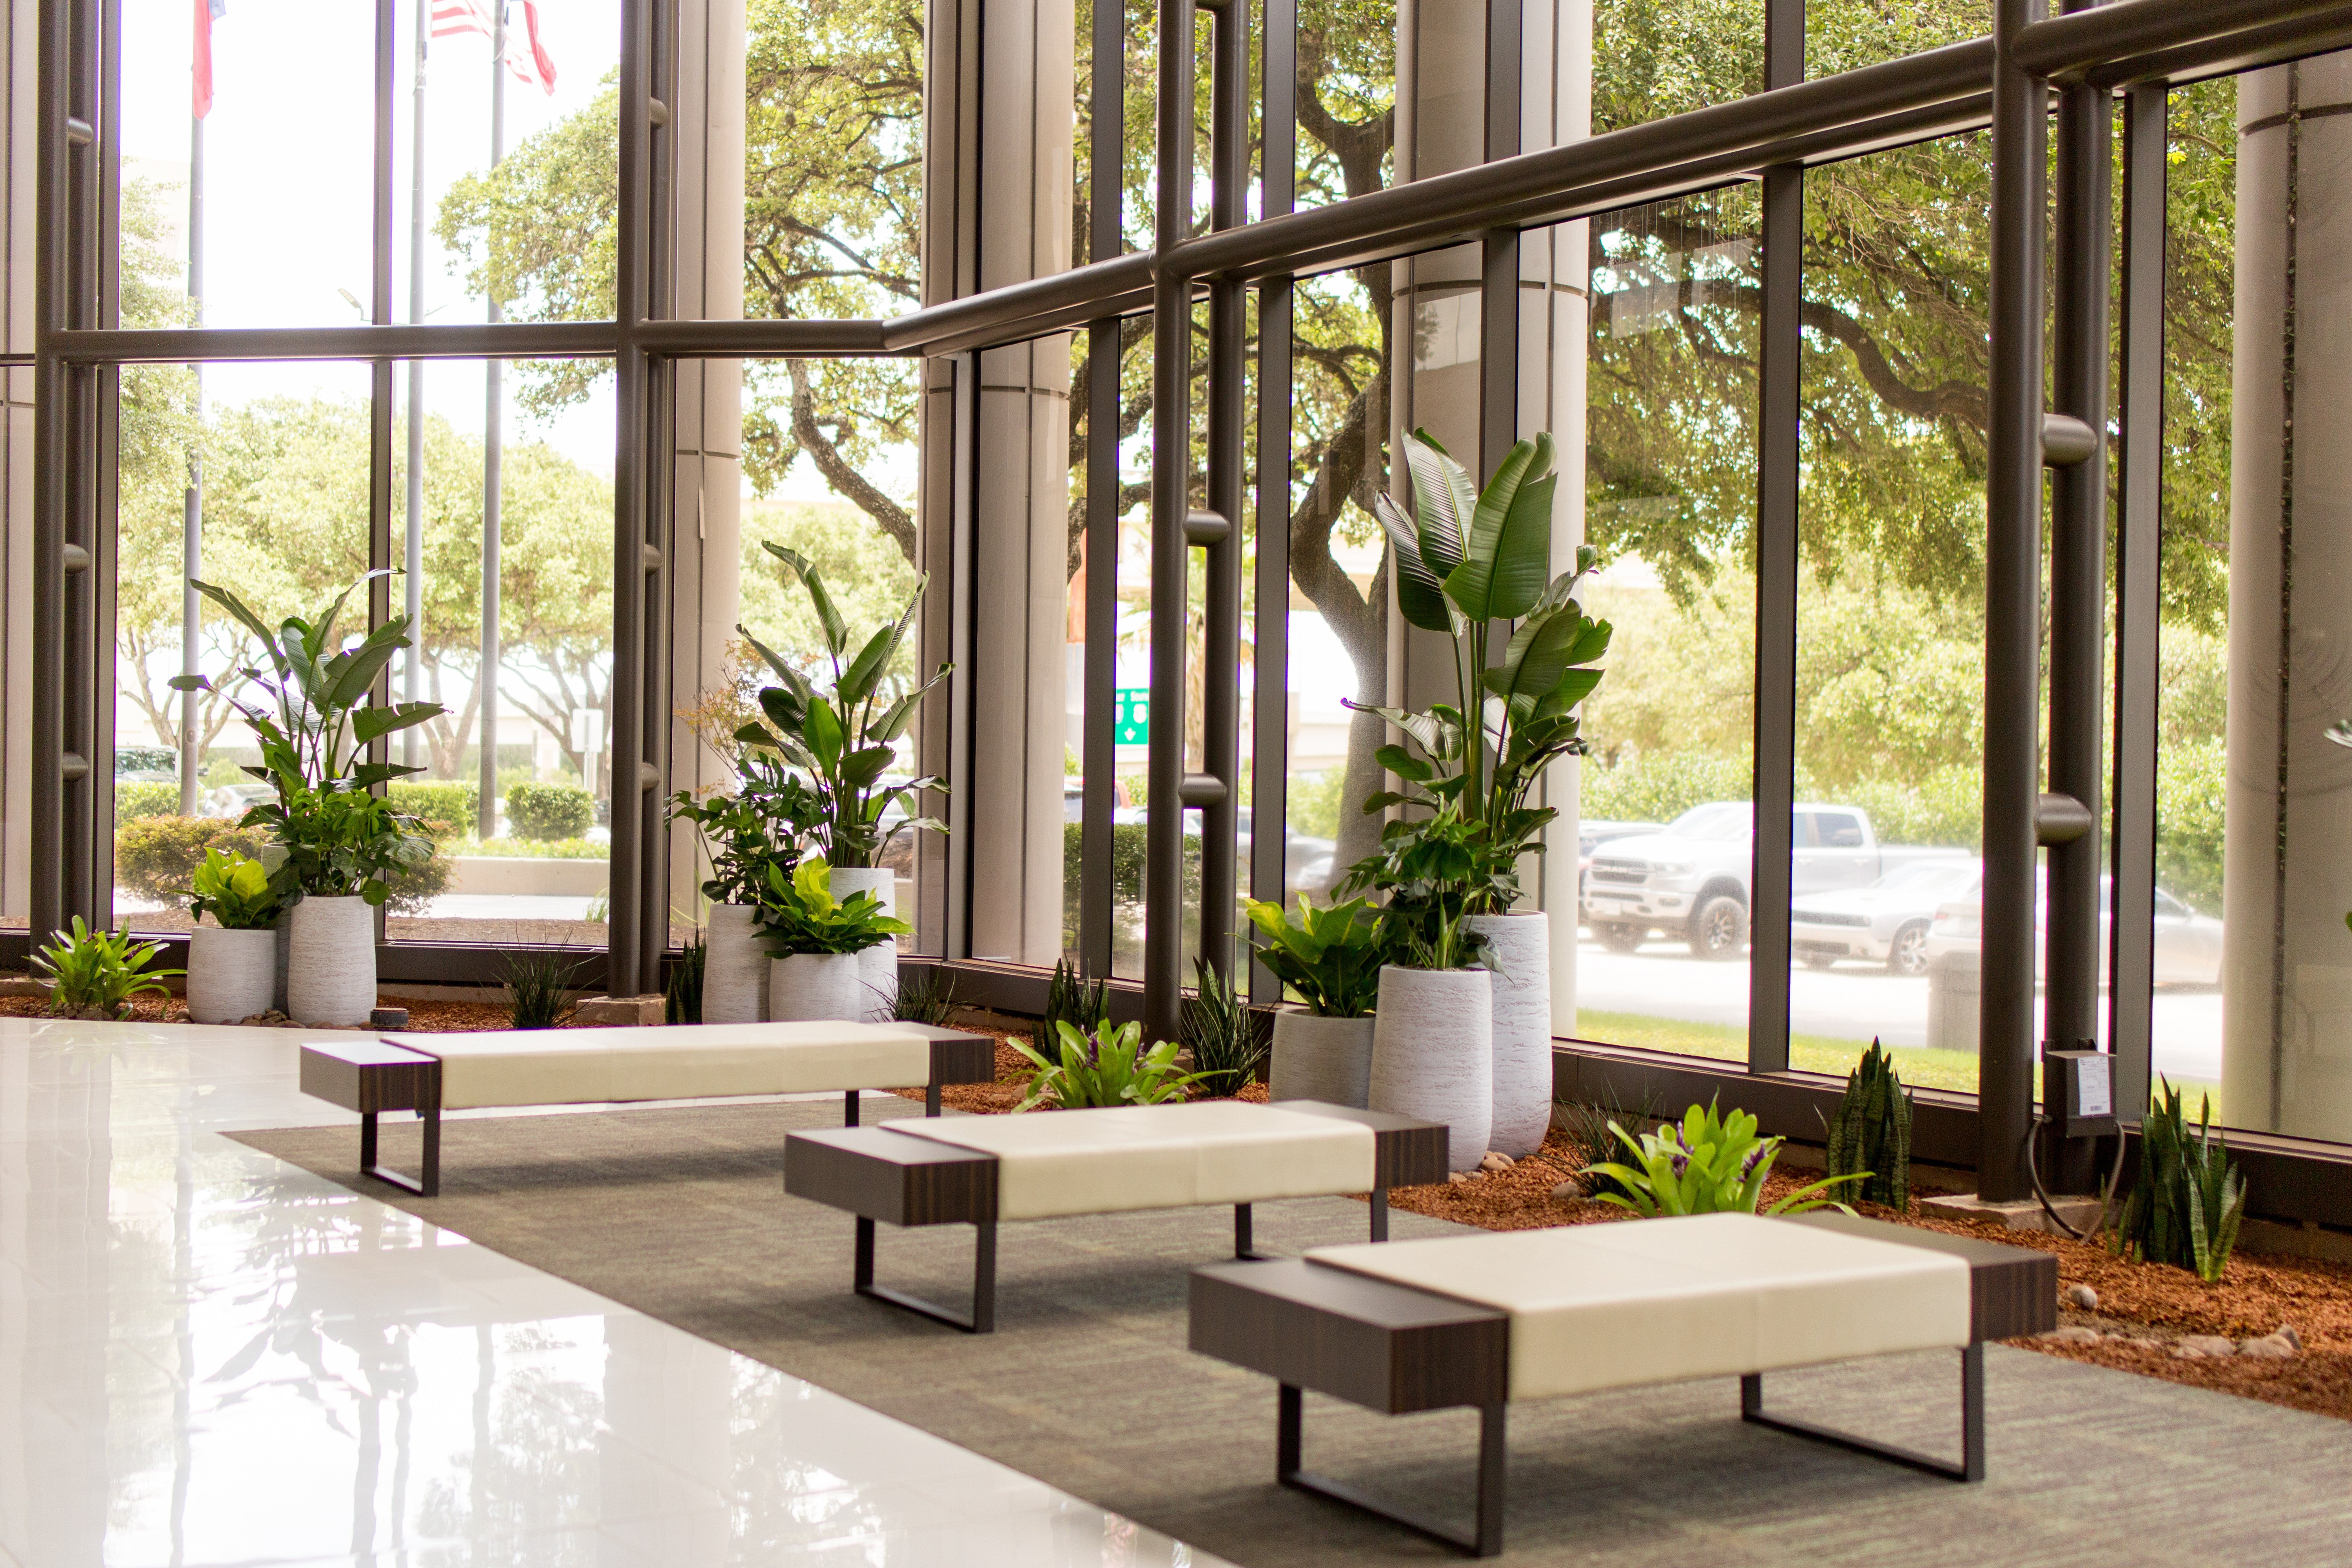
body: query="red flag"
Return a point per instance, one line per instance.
(541, 65)
(533, 67)
(207, 11)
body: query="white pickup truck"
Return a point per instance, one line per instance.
(1689, 881)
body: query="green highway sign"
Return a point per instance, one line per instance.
(1131, 715)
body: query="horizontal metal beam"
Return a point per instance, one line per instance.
(2079, 42)
(480, 340)
(2298, 37)
(761, 339)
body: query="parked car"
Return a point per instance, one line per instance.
(2187, 945)
(1690, 881)
(1886, 921)
(1592, 835)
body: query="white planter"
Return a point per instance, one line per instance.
(232, 974)
(877, 966)
(331, 962)
(1433, 1054)
(809, 987)
(734, 966)
(1518, 958)
(1329, 1059)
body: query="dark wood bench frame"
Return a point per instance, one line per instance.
(371, 1077)
(1394, 1349)
(878, 1175)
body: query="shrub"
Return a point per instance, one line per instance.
(1313, 803)
(1228, 1041)
(415, 887)
(1711, 1163)
(155, 856)
(539, 989)
(1104, 1065)
(550, 811)
(447, 809)
(135, 799)
(1072, 999)
(2187, 1205)
(1870, 1137)
(2188, 816)
(1661, 787)
(95, 973)
(925, 995)
(682, 985)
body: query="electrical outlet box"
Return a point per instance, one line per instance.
(2078, 1093)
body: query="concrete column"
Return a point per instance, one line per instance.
(706, 537)
(1007, 189)
(2286, 1005)
(1440, 126)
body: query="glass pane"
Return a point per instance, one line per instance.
(1670, 484)
(1346, 99)
(1845, 35)
(1651, 60)
(1890, 606)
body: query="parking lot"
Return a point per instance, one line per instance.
(1853, 1001)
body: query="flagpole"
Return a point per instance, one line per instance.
(487, 811)
(192, 548)
(412, 739)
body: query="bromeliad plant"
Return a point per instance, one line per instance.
(798, 914)
(95, 973)
(844, 740)
(1709, 1164)
(234, 891)
(1330, 957)
(2190, 1199)
(1103, 1066)
(1467, 560)
(315, 729)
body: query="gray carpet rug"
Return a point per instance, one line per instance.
(680, 1213)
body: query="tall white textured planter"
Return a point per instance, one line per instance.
(877, 966)
(734, 966)
(1518, 957)
(1329, 1059)
(331, 962)
(232, 974)
(1433, 1054)
(809, 987)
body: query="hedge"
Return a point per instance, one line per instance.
(550, 811)
(155, 856)
(446, 807)
(138, 798)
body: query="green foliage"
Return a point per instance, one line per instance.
(763, 826)
(233, 891)
(2191, 786)
(534, 849)
(2186, 1206)
(925, 995)
(1103, 1066)
(682, 985)
(137, 798)
(1708, 1164)
(1431, 868)
(341, 844)
(155, 856)
(444, 810)
(1870, 1136)
(1331, 957)
(545, 812)
(798, 914)
(1071, 998)
(1229, 1042)
(1660, 787)
(844, 740)
(539, 988)
(1592, 1127)
(99, 972)
(1313, 803)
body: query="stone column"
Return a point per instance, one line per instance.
(705, 540)
(2286, 1003)
(1440, 126)
(1002, 177)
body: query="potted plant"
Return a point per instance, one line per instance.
(1466, 562)
(1432, 1017)
(815, 939)
(343, 845)
(842, 741)
(761, 827)
(1330, 958)
(233, 962)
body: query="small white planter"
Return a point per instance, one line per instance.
(809, 987)
(877, 966)
(331, 962)
(1518, 957)
(1329, 1059)
(232, 974)
(734, 966)
(1433, 1054)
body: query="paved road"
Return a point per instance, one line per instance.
(1851, 1000)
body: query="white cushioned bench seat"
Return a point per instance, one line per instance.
(1160, 1157)
(577, 1066)
(1611, 1306)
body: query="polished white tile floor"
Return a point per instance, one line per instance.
(210, 1357)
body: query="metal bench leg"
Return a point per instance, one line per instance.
(931, 1097)
(982, 1319)
(1486, 1540)
(430, 1184)
(1379, 1214)
(849, 1107)
(1244, 1243)
(1971, 1467)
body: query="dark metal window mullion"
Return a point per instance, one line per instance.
(1779, 393)
(54, 381)
(1270, 702)
(1106, 208)
(379, 600)
(2140, 496)
(655, 519)
(1227, 477)
(634, 398)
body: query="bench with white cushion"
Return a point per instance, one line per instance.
(431, 1073)
(984, 1170)
(1482, 1321)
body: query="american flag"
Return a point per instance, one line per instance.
(525, 56)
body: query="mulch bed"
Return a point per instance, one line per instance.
(423, 1018)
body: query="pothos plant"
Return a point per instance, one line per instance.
(1466, 562)
(315, 728)
(844, 740)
